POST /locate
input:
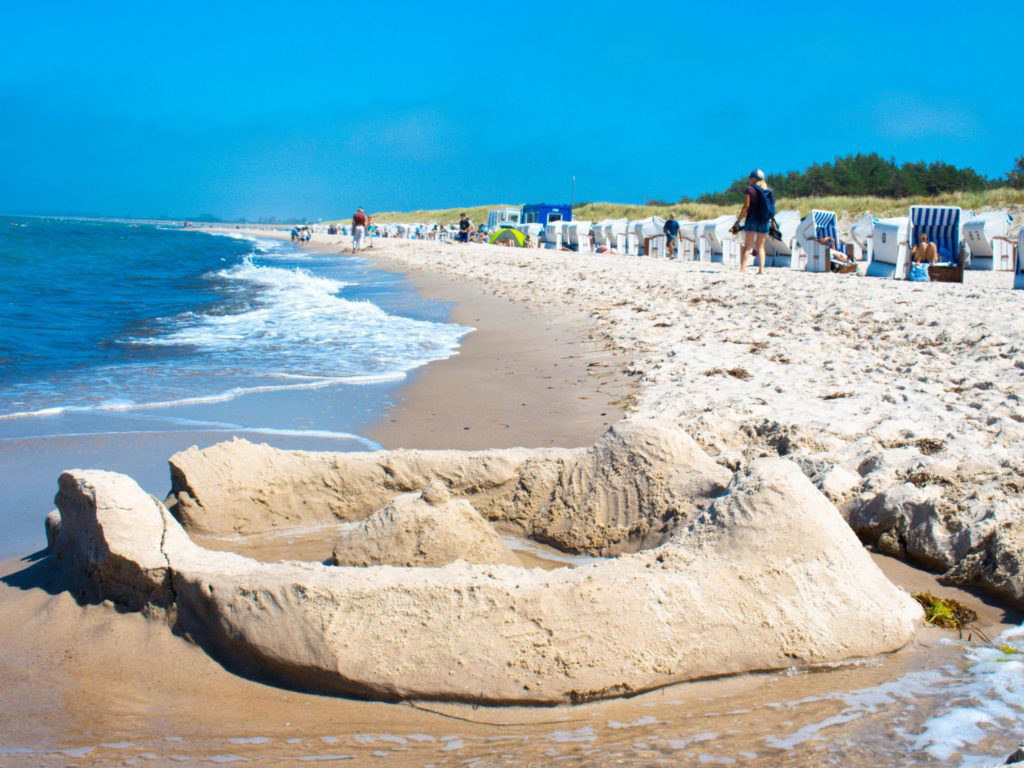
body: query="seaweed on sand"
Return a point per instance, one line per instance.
(944, 612)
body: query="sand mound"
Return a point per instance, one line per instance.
(427, 529)
(629, 490)
(768, 576)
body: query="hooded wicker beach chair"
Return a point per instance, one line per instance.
(786, 252)
(889, 248)
(720, 245)
(649, 236)
(942, 223)
(823, 226)
(688, 235)
(860, 237)
(987, 236)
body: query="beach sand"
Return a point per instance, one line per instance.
(87, 685)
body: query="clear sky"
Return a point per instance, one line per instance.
(310, 109)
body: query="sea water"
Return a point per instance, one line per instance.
(121, 342)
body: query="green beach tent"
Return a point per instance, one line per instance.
(508, 235)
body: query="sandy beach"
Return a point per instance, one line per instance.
(897, 401)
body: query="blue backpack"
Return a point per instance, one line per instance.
(764, 202)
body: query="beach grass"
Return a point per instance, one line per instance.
(1000, 197)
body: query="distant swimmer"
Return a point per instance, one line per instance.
(358, 229)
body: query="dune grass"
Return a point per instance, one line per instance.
(846, 207)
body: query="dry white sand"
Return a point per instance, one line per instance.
(901, 401)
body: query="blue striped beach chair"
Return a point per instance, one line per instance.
(942, 223)
(820, 256)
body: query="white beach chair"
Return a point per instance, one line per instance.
(987, 235)
(860, 237)
(942, 223)
(889, 248)
(649, 236)
(553, 235)
(576, 234)
(688, 241)
(718, 242)
(616, 235)
(786, 252)
(532, 230)
(818, 226)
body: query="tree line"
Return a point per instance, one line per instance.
(871, 174)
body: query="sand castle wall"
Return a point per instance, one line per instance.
(765, 575)
(623, 493)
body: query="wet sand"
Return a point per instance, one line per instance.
(87, 685)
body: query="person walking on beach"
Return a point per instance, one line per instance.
(358, 229)
(757, 213)
(671, 230)
(463, 228)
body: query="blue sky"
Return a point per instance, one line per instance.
(311, 109)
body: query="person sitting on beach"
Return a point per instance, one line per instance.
(925, 251)
(671, 230)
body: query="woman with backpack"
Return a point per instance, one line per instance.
(758, 212)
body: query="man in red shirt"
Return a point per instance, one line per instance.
(358, 229)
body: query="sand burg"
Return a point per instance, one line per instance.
(719, 573)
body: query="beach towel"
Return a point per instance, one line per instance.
(918, 273)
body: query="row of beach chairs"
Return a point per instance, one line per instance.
(876, 247)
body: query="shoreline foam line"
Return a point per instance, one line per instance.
(222, 397)
(226, 429)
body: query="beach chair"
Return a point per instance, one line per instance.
(649, 236)
(532, 231)
(616, 235)
(987, 236)
(860, 237)
(818, 226)
(576, 235)
(1018, 277)
(720, 245)
(786, 252)
(552, 235)
(889, 248)
(943, 225)
(688, 250)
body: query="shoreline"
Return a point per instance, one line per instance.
(513, 348)
(521, 379)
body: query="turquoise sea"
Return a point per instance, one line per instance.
(123, 342)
